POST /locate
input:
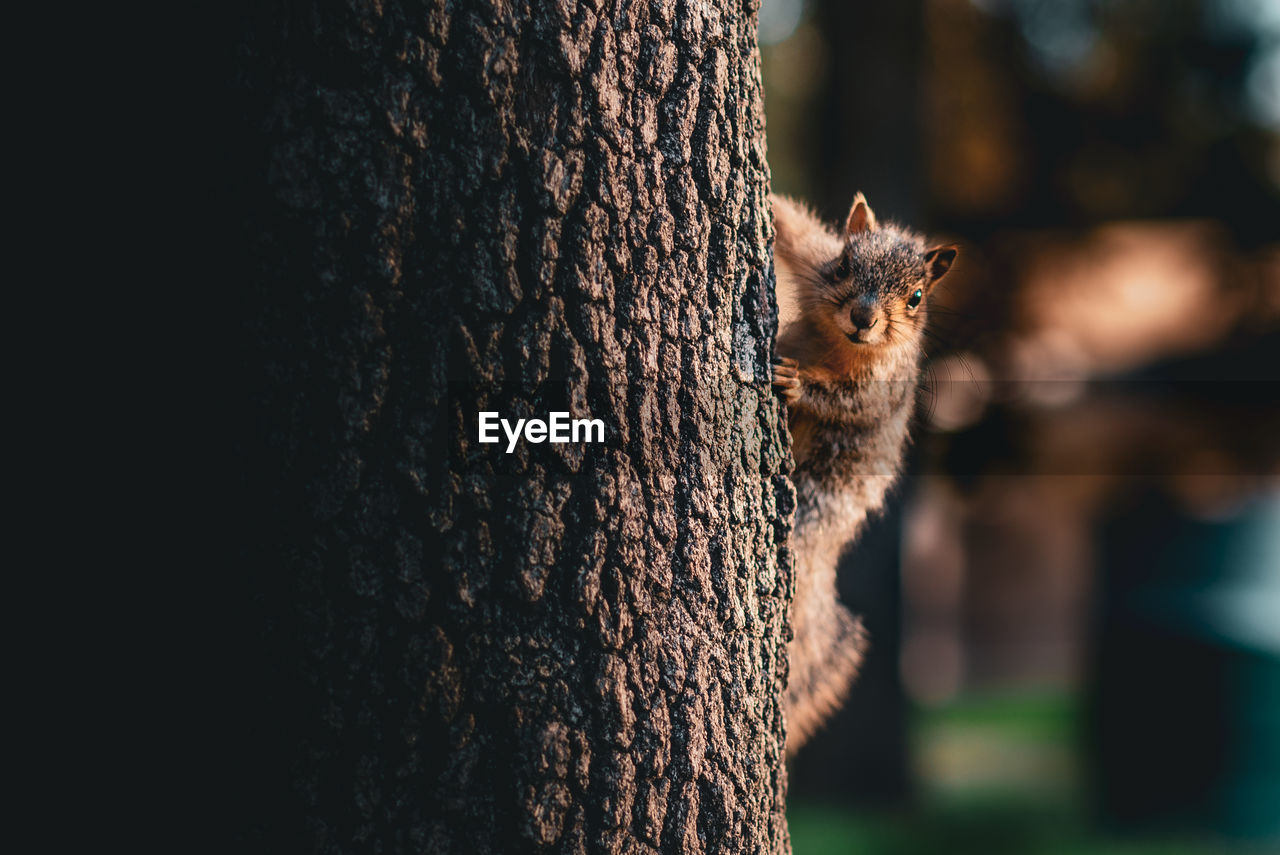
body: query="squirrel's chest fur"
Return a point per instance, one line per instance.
(848, 436)
(847, 457)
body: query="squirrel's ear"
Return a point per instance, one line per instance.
(938, 261)
(861, 217)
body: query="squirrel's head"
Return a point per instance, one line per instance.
(876, 288)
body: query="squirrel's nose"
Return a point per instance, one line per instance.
(863, 316)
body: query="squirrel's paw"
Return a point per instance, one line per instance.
(786, 378)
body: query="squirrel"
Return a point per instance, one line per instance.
(850, 337)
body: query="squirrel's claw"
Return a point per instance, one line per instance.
(787, 363)
(786, 378)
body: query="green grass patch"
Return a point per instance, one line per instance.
(1050, 715)
(992, 829)
(998, 773)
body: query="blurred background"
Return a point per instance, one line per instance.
(1074, 599)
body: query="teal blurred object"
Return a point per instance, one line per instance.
(1186, 713)
(1247, 613)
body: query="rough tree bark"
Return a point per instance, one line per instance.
(515, 207)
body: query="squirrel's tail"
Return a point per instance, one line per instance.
(828, 642)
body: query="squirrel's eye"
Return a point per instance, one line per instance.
(842, 269)
(914, 299)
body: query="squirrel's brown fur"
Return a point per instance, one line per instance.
(849, 346)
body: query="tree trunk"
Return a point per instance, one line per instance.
(464, 207)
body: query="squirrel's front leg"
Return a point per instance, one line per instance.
(813, 394)
(788, 380)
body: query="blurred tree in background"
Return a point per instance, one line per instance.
(1074, 112)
